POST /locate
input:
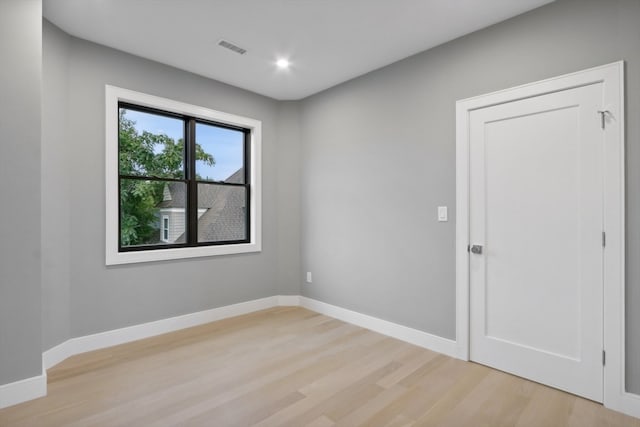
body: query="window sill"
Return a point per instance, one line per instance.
(116, 258)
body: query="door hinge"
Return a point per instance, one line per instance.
(603, 117)
(604, 239)
(604, 357)
(468, 248)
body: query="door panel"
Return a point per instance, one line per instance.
(536, 207)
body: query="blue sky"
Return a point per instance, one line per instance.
(225, 145)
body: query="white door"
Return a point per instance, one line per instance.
(536, 208)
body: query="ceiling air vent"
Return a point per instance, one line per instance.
(231, 46)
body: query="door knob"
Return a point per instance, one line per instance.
(476, 249)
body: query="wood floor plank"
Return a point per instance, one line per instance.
(504, 404)
(359, 416)
(289, 366)
(321, 422)
(409, 367)
(545, 407)
(452, 403)
(466, 411)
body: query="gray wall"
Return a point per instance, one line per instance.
(20, 92)
(56, 194)
(288, 176)
(101, 298)
(378, 157)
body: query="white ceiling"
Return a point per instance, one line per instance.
(327, 41)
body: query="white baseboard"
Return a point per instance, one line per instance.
(631, 404)
(23, 390)
(627, 403)
(289, 300)
(56, 354)
(394, 330)
(31, 388)
(92, 342)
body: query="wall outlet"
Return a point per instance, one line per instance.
(309, 278)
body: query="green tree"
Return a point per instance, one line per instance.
(152, 155)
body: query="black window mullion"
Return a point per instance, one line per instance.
(150, 178)
(144, 109)
(222, 183)
(192, 195)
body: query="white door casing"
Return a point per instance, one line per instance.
(610, 80)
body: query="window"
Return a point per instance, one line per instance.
(165, 228)
(180, 166)
(182, 181)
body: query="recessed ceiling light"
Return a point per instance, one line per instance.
(283, 63)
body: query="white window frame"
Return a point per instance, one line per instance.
(113, 95)
(164, 231)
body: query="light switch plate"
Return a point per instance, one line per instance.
(442, 214)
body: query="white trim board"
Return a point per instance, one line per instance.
(23, 390)
(611, 76)
(97, 341)
(627, 403)
(289, 300)
(100, 340)
(384, 327)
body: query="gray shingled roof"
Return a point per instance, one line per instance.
(225, 220)
(225, 215)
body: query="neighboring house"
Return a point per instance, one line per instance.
(221, 211)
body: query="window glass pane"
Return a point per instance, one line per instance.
(220, 153)
(150, 145)
(144, 206)
(221, 213)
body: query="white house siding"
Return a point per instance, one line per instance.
(176, 222)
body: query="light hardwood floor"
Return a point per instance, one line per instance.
(290, 366)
